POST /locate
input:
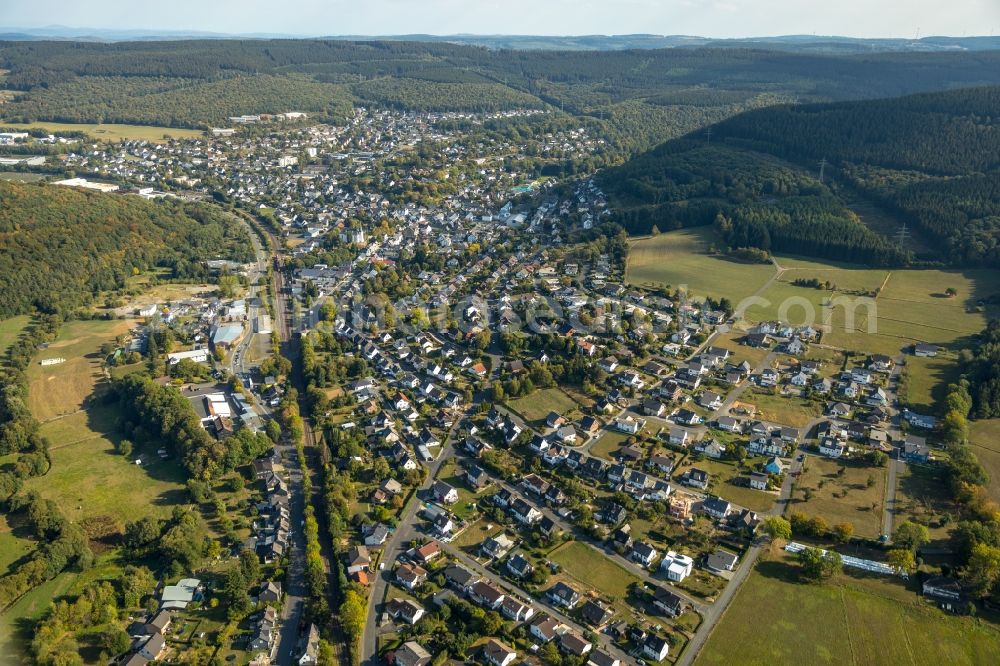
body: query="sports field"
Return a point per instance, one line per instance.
(57, 390)
(776, 620)
(110, 131)
(680, 258)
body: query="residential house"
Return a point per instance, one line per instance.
(444, 493)
(667, 602)
(721, 560)
(677, 567)
(655, 648)
(596, 614)
(696, 478)
(411, 576)
(487, 595)
(563, 595)
(411, 653)
(758, 481)
(496, 653)
(406, 610)
(643, 553)
(574, 644)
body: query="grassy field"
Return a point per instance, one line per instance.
(724, 482)
(838, 499)
(111, 132)
(593, 570)
(10, 329)
(91, 482)
(536, 406)
(928, 381)
(12, 547)
(61, 389)
(786, 410)
(680, 258)
(775, 620)
(608, 444)
(740, 352)
(985, 438)
(21, 177)
(922, 497)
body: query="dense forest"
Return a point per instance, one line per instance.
(60, 247)
(640, 96)
(929, 161)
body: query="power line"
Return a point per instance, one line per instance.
(708, 135)
(902, 235)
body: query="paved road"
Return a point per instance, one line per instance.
(397, 545)
(889, 509)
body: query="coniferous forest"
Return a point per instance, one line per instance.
(930, 161)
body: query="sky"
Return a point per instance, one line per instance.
(710, 18)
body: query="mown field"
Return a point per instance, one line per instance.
(536, 406)
(593, 569)
(786, 410)
(680, 258)
(728, 481)
(61, 389)
(928, 381)
(111, 132)
(841, 498)
(10, 329)
(94, 484)
(776, 620)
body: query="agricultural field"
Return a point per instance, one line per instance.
(111, 132)
(786, 410)
(922, 497)
(775, 619)
(61, 389)
(985, 439)
(10, 329)
(912, 307)
(680, 258)
(536, 406)
(822, 490)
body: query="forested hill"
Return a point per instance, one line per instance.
(640, 97)
(60, 247)
(931, 161)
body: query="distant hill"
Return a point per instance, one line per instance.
(931, 161)
(60, 247)
(801, 43)
(633, 96)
